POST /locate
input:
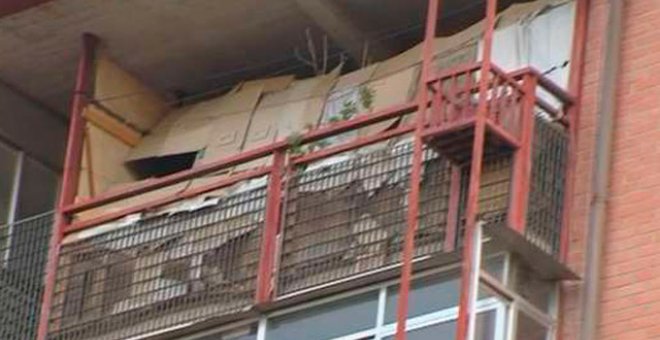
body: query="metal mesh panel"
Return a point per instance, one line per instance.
(494, 192)
(24, 249)
(546, 195)
(159, 272)
(349, 217)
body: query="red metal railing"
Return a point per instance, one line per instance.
(327, 223)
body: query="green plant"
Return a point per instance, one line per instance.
(366, 97)
(319, 144)
(348, 110)
(296, 146)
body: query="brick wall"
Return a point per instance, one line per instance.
(630, 300)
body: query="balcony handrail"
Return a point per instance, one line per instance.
(564, 96)
(329, 130)
(326, 131)
(513, 78)
(250, 174)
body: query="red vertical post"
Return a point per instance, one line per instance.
(416, 171)
(522, 162)
(452, 209)
(466, 299)
(271, 226)
(575, 88)
(435, 116)
(71, 173)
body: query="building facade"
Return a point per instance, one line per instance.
(281, 209)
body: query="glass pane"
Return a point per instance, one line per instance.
(7, 168)
(247, 333)
(529, 329)
(427, 295)
(327, 321)
(36, 195)
(37, 191)
(494, 266)
(485, 327)
(442, 331)
(484, 330)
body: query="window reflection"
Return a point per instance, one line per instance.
(327, 321)
(442, 331)
(8, 158)
(484, 330)
(428, 294)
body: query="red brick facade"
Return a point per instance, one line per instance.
(630, 299)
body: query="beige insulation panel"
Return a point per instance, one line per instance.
(108, 156)
(126, 96)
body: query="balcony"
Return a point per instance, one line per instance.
(318, 221)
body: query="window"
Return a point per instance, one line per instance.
(370, 314)
(354, 314)
(426, 295)
(8, 162)
(441, 331)
(485, 329)
(28, 191)
(242, 333)
(9, 168)
(37, 190)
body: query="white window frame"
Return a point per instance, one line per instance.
(506, 310)
(13, 205)
(382, 330)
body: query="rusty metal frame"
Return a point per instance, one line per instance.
(424, 126)
(243, 157)
(218, 184)
(465, 304)
(416, 171)
(522, 166)
(272, 221)
(453, 206)
(71, 175)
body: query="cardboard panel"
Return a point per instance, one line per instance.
(108, 157)
(274, 84)
(227, 135)
(399, 62)
(355, 78)
(282, 114)
(126, 96)
(395, 89)
(219, 123)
